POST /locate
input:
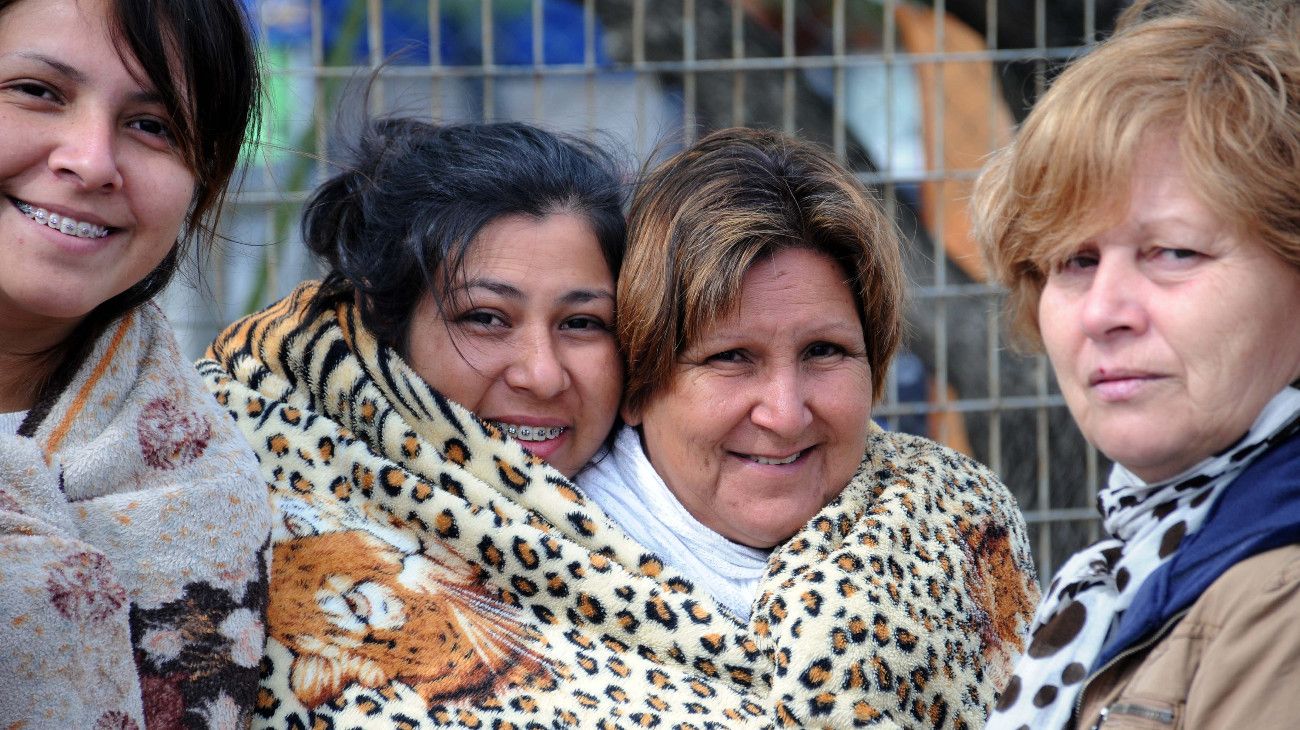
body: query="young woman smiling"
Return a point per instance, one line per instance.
(131, 517)
(456, 362)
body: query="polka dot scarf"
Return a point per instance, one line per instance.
(1146, 523)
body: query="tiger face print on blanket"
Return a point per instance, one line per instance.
(353, 608)
(430, 572)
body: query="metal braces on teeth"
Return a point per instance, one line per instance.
(62, 224)
(532, 433)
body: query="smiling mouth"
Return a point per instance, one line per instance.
(530, 433)
(62, 224)
(773, 461)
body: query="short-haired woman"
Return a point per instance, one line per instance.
(759, 309)
(132, 518)
(1147, 222)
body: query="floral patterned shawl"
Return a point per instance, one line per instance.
(133, 531)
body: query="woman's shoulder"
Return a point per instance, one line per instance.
(1262, 584)
(913, 482)
(1228, 657)
(923, 466)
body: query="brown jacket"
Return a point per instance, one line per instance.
(1231, 662)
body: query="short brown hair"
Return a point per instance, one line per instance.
(1222, 76)
(703, 217)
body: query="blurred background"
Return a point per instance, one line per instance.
(910, 95)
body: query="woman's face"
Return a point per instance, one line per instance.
(767, 415)
(83, 140)
(1169, 333)
(527, 341)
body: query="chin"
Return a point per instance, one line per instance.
(1151, 464)
(66, 304)
(768, 536)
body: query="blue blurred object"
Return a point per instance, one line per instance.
(909, 374)
(406, 30)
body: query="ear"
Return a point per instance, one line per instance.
(630, 416)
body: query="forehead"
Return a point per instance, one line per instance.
(559, 250)
(791, 287)
(75, 39)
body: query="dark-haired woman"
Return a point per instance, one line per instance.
(454, 367)
(132, 521)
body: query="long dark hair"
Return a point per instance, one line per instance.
(399, 219)
(200, 57)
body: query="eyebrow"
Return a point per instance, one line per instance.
(509, 291)
(582, 296)
(838, 327)
(76, 76)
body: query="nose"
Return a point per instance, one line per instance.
(87, 153)
(537, 366)
(1112, 303)
(782, 404)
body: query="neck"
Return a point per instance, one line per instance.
(24, 366)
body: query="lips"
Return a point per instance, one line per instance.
(1104, 375)
(772, 460)
(64, 224)
(1120, 385)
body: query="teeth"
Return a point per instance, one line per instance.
(764, 460)
(530, 433)
(62, 224)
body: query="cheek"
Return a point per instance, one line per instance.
(1060, 331)
(436, 359)
(849, 418)
(463, 383)
(600, 379)
(709, 413)
(683, 431)
(164, 200)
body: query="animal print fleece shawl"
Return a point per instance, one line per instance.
(429, 572)
(133, 531)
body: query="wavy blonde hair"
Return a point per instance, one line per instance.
(1222, 76)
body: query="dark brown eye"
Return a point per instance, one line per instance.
(727, 356)
(583, 323)
(154, 128)
(824, 349)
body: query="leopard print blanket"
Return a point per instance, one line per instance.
(429, 572)
(134, 533)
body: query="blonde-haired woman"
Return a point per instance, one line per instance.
(1147, 223)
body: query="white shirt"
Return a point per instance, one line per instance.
(631, 492)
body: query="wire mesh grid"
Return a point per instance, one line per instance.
(910, 96)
